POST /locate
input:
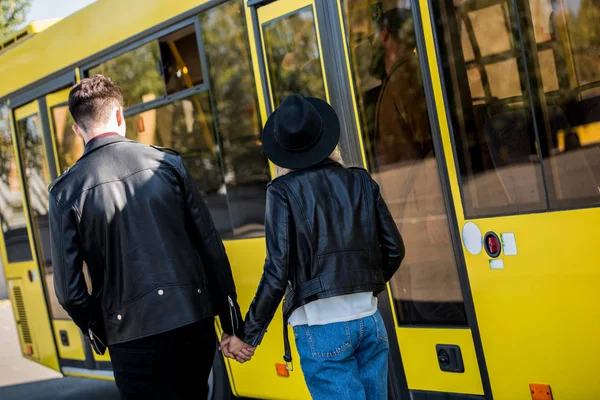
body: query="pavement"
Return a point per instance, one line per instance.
(21, 379)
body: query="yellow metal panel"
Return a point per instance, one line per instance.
(538, 316)
(95, 28)
(27, 110)
(247, 261)
(104, 357)
(280, 8)
(39, 26)
(421, 364)
(44, 351)
(74, 351)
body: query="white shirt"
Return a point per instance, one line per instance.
(335, 309)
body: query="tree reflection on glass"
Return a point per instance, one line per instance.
(293, 56)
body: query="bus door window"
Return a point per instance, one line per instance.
(293, 57)
(492, 123)
(37, 179)
(393, 111)
(12, 211)
(567, 48)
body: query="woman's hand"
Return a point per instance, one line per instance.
(234, 348)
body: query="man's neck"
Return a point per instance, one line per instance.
(101, 135)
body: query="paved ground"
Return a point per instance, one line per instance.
(23, 379)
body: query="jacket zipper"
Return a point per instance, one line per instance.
(233, 315)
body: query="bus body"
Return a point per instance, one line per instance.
(485, 144)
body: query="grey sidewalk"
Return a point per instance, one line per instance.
(61, 389)
(21, 379)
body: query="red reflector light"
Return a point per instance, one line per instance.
(30, 275)
(29, 350)
(493, 244)
(282, 370)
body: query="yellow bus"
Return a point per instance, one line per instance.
(486, 145)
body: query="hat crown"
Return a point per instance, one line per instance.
(298, 124)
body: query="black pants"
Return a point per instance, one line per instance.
(171, 365)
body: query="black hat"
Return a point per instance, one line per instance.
(302, 132)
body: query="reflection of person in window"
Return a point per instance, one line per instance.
(407, 170)
(401, 128)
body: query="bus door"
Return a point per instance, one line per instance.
(434, 350)
(430, 299)
(521, 85)
(19, 256)
(64, 148)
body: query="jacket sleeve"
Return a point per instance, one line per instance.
(213, 256)
(67, 263)
(390, 240)
(273, 282)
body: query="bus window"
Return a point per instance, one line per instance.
(393, 112)
(12, 213)
(570, 127)
(217, 131)
(69, 146)
(293, 57)
(187, 125)
(237, 119)
(164, 66)
(492, 123)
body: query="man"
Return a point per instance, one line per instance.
(158, 269)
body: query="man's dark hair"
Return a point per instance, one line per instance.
(92, 100)
(399, 23)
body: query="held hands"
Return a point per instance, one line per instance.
(232, 347)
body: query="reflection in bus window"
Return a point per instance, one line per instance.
(494, 134)
(68, 145)
(292, 53)
(37, 179)
(570, 129)
(387, 76)
(237, 118)
(187, 125)
(12, 213)
(137, 74)
(164, 66)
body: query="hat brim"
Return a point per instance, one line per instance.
(306, 158)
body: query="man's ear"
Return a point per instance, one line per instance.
(78, 131)
(120, 118)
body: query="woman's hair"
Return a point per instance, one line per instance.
(335, 156)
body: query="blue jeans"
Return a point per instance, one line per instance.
(345, 360)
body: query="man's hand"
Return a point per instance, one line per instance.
(234, 348)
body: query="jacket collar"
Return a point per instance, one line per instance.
(103, 140)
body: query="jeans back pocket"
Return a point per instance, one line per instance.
(325, 341)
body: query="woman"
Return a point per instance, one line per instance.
(331, 245)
